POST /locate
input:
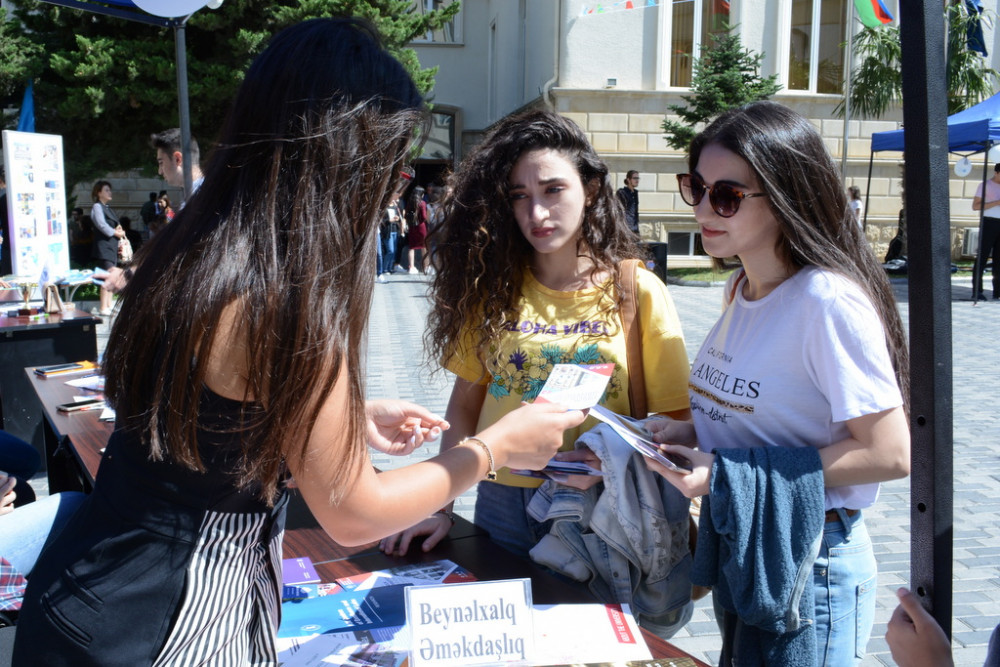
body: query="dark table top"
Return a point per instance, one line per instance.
(75, 317)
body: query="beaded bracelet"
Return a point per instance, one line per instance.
(450, 515)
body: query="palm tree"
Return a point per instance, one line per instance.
(877, 83)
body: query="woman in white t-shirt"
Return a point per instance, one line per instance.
(809, 350)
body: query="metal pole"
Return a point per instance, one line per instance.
(847, 97)
(184, 112)
(922, 37)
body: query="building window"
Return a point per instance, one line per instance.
(450, 32)
(691, 22)
(440, 141)
(815, 57)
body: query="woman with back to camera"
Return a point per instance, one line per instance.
(237, 366)
(808, 360)
(530, 264)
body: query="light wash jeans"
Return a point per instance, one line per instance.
(844, 578)
(502, 512)
(25, 531)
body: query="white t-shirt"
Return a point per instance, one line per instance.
(858, 207)
(788, 370)
(992, 195)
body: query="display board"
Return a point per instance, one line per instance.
(36, 202)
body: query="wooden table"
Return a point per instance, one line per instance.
(72, 441)
(49, 339)
(80, 437)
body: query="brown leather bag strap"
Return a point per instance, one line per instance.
(633, 339)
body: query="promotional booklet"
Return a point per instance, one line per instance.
(581, 387)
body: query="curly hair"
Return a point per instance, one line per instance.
(806, 196)
(480, 251)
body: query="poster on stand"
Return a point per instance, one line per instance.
(36, 202)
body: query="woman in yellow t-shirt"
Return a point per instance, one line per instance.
(529, 257)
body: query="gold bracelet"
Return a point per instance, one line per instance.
(492, 474)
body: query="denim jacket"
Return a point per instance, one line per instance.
(627, 538)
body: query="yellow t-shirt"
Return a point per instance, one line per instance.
(555, 327)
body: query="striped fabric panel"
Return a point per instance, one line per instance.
(229, 614)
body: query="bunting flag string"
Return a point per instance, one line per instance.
(619, 6)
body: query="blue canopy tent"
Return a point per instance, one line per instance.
(164, 13)
(970, 131)
(973, 130)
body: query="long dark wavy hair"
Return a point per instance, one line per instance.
(284, 228)
(481, 253)
(806, 195)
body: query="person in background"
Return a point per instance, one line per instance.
(170, 161)
(397, 260)
(628, 195)
(416, 222)
(989, 241)
(391, 229)
(165, 209)
(244, 371)
(149, 210)
(857, 205)
(107, 232)
(805, 372)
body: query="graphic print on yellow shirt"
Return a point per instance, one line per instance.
(553, 327)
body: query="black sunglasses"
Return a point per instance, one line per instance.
(724, 198)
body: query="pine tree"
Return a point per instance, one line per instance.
(104, 84)
(725, 76)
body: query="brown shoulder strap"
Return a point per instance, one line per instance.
(633, 339)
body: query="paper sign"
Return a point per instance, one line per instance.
(36, 199)
(470, 624)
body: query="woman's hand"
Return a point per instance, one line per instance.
(692, 484)
(582, 455)
(529, 436)
(435, 527)
(119, 232)
(914, 637)
(399, 427)
(7, 495)
(672, 431)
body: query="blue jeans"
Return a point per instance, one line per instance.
(28, 528)
(844, 578)
(502, 512)
(17, 457)
(388, 252)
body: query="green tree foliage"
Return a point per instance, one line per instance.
(105, 84)
(726, 75)
(877, 85)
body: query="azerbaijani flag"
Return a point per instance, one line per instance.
(872, 13)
